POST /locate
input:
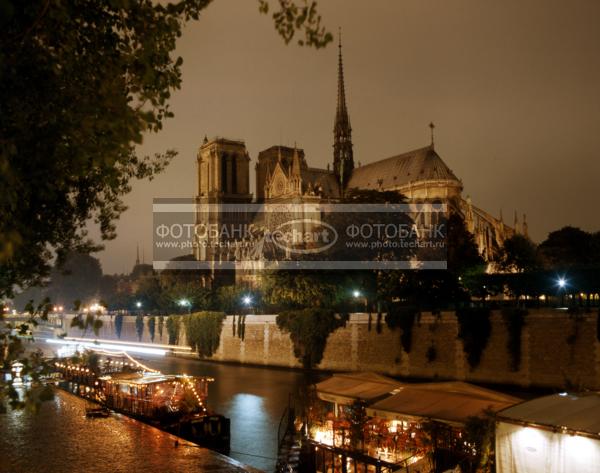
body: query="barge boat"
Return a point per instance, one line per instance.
(173, 403)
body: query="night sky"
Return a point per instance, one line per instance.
(513, 88)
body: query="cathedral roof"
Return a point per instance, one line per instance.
(321, 179)
(422, 164)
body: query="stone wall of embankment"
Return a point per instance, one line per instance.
(558, 349)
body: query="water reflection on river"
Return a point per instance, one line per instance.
(253, 398)
(61, 439)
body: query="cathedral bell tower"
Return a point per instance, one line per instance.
(343, 159)
(223, 178)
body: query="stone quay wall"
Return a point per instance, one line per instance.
(558, 350)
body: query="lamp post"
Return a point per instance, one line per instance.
(359, 295)
(247, 301)
(186, 303)
(562, 284)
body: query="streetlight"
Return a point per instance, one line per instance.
(185, 303)
(359, 295)
(247, 301)
(561, 282)
(138, 304)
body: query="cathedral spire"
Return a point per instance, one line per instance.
(431, 127)
(343, 160)
(341, 111)
(295, 162)
(296, 174)
(137, 254)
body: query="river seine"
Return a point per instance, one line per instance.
(254, 398)
(59, 438)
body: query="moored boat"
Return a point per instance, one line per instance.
(174, 403)
(97, 412)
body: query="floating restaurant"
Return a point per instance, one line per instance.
(174, 403)
(364, 422)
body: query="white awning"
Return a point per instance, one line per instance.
(346, 388)
(452, 402)
(574, 412)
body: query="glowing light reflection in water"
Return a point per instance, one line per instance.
(60, 439)
(253, 398)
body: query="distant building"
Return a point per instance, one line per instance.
(283, 176)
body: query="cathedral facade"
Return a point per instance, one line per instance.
(283, 176)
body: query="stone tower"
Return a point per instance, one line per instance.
(223, 171)
(343, 159)
(223, 178)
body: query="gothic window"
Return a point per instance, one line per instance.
(279, 186)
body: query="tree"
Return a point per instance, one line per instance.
(480, 433)
(309, 330)
(34, 365)
(199, 298)
(203, 332)
(78, 279)
(595, 249)
(299, 289)
(148, 293)
(228, 299)
(435, 289)
(463, 254)
(519, 254)
(568, 247)
(81, 83)
(356, 413)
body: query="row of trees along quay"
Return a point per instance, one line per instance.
(81, 87)
(562, 271)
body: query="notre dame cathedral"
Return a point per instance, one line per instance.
(283, 175)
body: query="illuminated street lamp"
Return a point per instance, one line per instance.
(96, 308)
(359, 295)
(247, 301)
(185, 303)
(138, 304)
(561, 282)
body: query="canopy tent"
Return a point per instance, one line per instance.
(345, 388)
(559, 433)
(451, 402)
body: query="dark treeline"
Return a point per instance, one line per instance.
(563, 268)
